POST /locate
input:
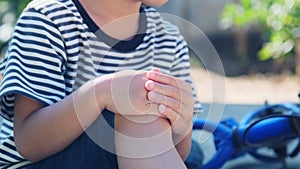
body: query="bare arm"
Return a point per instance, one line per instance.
(42, 131)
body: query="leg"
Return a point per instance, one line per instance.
(147, 144)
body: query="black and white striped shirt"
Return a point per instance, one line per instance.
(56, 47)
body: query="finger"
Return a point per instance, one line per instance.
(163, 89)
(168, 113)
(167, 90)
(161, 108)
(183, 109)
(168, 80)
(154, 109)
(156, 70)
(162, 99)
(178, 124)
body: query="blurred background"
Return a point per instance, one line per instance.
(257, 42)
(240, 29)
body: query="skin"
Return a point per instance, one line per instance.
(159, 101)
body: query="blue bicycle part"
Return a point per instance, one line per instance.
(284, 108)
(271, 126)
(287, 111)
(226, 148)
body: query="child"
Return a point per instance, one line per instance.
(74, 66)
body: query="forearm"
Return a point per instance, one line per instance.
(184, 145)
(48, 130)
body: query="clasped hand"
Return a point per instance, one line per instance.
(152, 93)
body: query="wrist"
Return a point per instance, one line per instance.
(186, 132)
(86, 103)
(101, 89)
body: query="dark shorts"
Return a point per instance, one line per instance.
(86, 151)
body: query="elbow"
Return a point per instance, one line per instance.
(25, 149)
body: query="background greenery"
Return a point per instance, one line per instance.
(9, 12)
(279, 20)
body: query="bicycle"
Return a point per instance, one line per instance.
(272, 126)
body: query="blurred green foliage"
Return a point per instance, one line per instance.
(278, 19)
(9, 12)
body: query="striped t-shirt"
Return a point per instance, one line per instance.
(56, 47)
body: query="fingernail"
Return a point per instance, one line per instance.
(149, 85)
(151, 74)
(151, 95)
(161, 108)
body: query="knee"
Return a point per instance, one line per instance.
(142, 126)
(141, 137)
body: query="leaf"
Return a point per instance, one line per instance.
(264, 54)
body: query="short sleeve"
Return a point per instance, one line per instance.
(33, 65)
(181, 68)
